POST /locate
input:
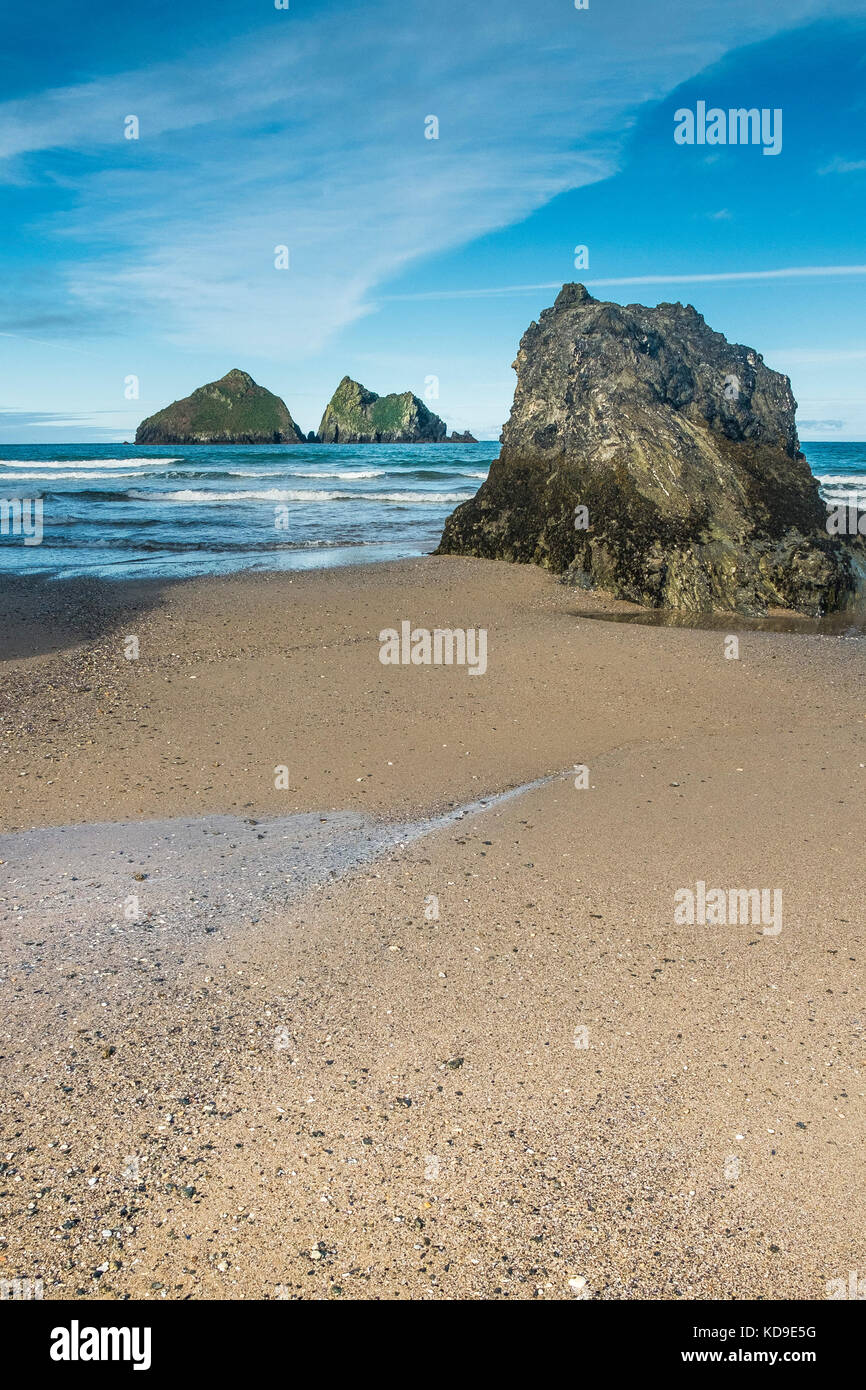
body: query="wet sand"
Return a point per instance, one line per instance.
(356, 1061)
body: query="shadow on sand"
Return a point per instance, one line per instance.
(41, 617)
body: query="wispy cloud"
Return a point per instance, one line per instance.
(52, 417)
(57, 426)
(843, 166)
(311, 134)
(52, 343)
(712, 277)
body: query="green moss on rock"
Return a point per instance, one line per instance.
(355, 415)
(233, 410)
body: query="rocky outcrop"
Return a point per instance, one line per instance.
(233, 410)
(647, 456)
(355, 415)
(465, 438)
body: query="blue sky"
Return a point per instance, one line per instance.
(413, 258)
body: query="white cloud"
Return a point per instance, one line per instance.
(312, 135)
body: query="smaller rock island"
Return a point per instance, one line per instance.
(355, 415)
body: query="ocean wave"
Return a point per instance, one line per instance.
(88, 495)
(93, 520)
(425, 497)
(345, 473)
(65, 477)
(86, 463)
(275, 494)
(130, 545)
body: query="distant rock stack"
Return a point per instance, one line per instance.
(233, 410)
(465, 438)
(355, 415)
(647, 456)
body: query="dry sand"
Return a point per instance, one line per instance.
(290, 1078)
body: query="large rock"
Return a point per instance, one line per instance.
(355, 415)
(233, 410)
(683, 449)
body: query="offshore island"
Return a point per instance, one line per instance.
(235, 410)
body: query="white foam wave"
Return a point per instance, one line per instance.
(849, 480)
(275, 494)
(86, 463)
(345, 473)
(64, 477)
(425, 497)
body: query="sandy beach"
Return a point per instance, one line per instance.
(334, 1040)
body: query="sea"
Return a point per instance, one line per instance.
(115, 511)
